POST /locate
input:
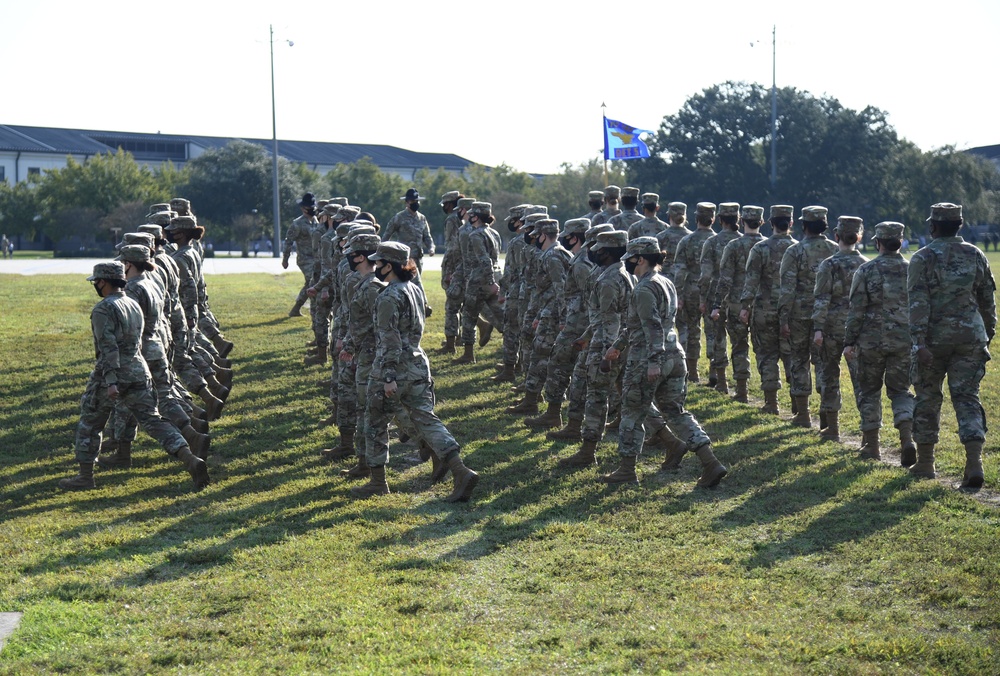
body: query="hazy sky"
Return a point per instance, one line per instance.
(515, 81)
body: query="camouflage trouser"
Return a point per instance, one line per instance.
(541, 351)
(511, 334)
(577, 393)
(187, 371)
(206, 345)
(600, 386)
(140, 401)
(769, 348)
(691, 316)
(803, 354)
(454, 301)
(323, 312)
(875, 366)
(526, 333)
(362, 375)
(715, 334)
(347, 394)
(739, 339)
(479, 300)
(669, 392)
(828, 373)
(207, 325)
(123, 425)
(964, 365)
(562, 363)
(306, 265)
(416, 398)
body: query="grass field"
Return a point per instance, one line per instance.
(805, 559)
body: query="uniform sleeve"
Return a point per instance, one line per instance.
(188, 288)
(428, 241)
(680, 265)
(727, 272)
(707, 270)
(751, 283)
(387, 324)
(918, 294)
(108, 357)
(857, 307)
(391, 230)
(986, 297)
(608, 314)
(293, 232)
(652, 324)
(822, 294)
(555, 299)
(788, 273)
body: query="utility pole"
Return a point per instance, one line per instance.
(774, 109)
(274, 158)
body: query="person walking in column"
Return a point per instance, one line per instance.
(711, 259)
(451, 260)
(299, 235)
(687, 272)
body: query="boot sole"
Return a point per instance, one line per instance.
(973, 482)
(114, 465)
(714, 480)
(199, 474)
(463, 492)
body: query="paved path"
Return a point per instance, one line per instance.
(8, 623)
(219, 265)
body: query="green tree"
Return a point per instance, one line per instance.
(367, 186)
(565, 193)
(19, 209)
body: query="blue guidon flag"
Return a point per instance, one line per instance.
(621, 141)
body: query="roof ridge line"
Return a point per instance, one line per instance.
(25, 136)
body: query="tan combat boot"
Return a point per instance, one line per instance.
(465, 480)
(802, 417)
(527, 406)
(924, 466)
(199, 443)
(468, 356)
(318, 359)
(312, 343)
(359, 471)
(742, 395)
(584, 457)
(712, 470)
(199, 425)
(692, 374)
(216, 388)
(907, 449)
(198, 412)
(213, 405)
(344, 450)
(721, 384)
(296, 310)
(121, 458)
(870, 449)
(196, 467)
(625, 474)
(551, 418)
(569, 433)
(449, 345)
(676, 448)
(973, 476)
(770, 402)
(506, 374)
(222, 345)
(485, 331)
(83, 481)
(224, 376)
(376, 484)
(832, 430)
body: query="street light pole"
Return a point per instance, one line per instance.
(274, 158)
(774, 108)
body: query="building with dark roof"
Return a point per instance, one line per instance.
(991, 153)
(31, 150)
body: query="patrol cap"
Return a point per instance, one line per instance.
(530, 220)
(339, 201)
(595, 195)
(535, 209)
(134, 253)
(547, 226)
(814, 213)
(109, 270)
(481, 208)
(782, 211)
(613, 240)
(630, 192)
(151, 229)
(945, 211)
(182, 223)
(157, 208)
(706, 208)
(640, 246)
(466, 203)
(847, 225)
(140, 238)
(360, 228)
(576, 226)
(677, 209)
(729, 209)
(362, 242)
(752, 213)
(342, 229)
(518, 211)
(394, 252)
(451, 196)
(593, 231)
(181, 205)
(649, 198)
(889, 230)
(612, 192)
(347, 213)
(321, 204)
(331, 209)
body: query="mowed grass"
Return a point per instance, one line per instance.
(805, 559)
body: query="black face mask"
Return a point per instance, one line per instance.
(538, 243)
(513, 225)
(595, 257)
(352, 263)
(527, 238)
(565, 241)
(99, 294)
(630, 266)
(383, 272)
(414, 206)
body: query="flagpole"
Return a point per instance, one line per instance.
(605, 129)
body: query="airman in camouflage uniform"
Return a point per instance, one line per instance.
(510, 289)
(655, 369)
(759, 300)
(401, 378)
(527, 301)
(877, 340)
(832, 293)
(458, 286)
(300, 235)
(953, 318)
(322, 290)
(669, 238)
(609, 301)
(687, 271)
(726, 304)
(410, 227)
(612, 195)
(649, 225)
(595, 198)
(711, 260)
(482, 274)
(121, 373)
(451, 260)
(628, 215)
(795, 306)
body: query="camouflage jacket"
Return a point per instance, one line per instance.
(148, 294)
(189, 272)
(116, 322)
(762, 285)
(360, 340)
(410, 228)
(669, 238)
(609, 300)
(623, 221)
(687, 264)
(300, 234)
(649, 330)
(591, 215)
(551, 284)
(453, 255)
(513, 268)
(168, 273)
(711, 262)
(575, 318)
(329, 256)
(483, 253)
(529, 260)
(604, 216)
(878, 316)
(651, 226)
(341, 298)
(951, 294)
(798, 277)
(733, 270)
(832, 292)
(399, 325)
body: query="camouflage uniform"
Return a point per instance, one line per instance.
(623, 220)
(593, 196)
(449, 264)
(482, 271)
(550, 284)
(711, 260)
(510, 286)
(878, 321)
(687, 271)
(612, 192)
(649, 226)
(300, 235)
(412, 229)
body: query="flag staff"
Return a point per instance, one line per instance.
(605, 118)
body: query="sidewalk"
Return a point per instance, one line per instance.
(218, 265)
